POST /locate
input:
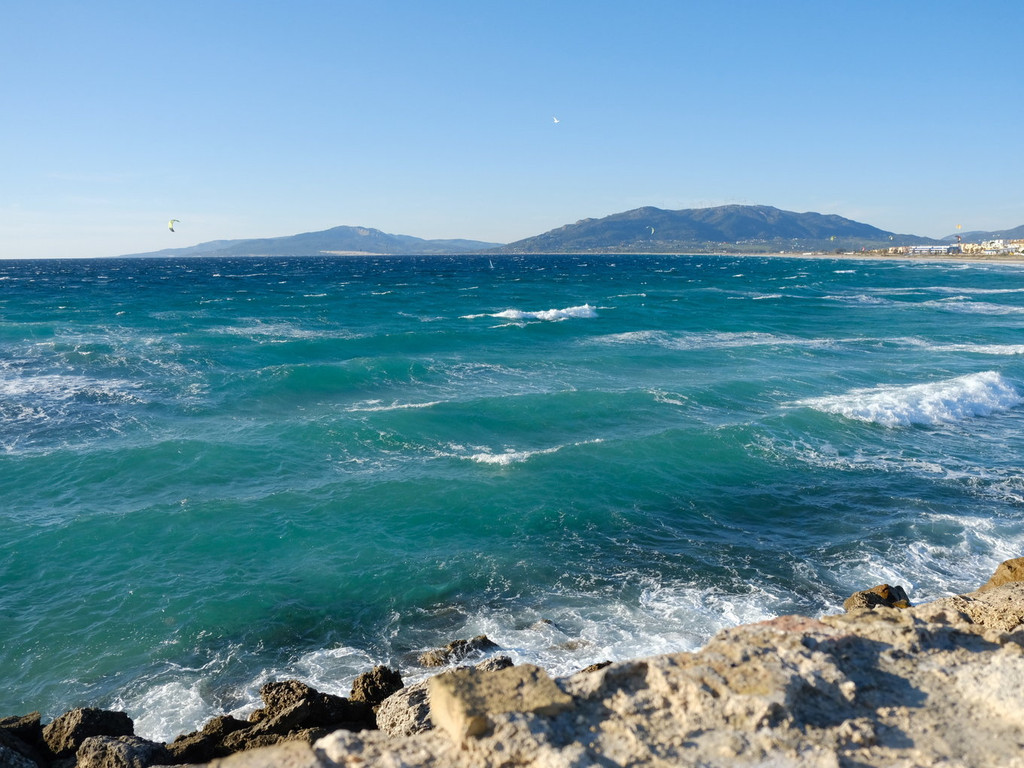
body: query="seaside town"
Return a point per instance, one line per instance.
(985, 248)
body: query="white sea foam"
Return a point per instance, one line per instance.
(714, 340)
(980, 349)
(972, 548)
(549, 315)
(510, 456)
(930, 404)
(164, 711)
(373, 406)
(59, 387)
(961, 290)
(571, 631)
(282, 331)
(962, 305)
(857, 298)
(669, 398)
(329, 670)
(971, 348)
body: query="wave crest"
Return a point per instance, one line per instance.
(931, 404)
(549, 315)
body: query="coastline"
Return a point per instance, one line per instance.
(884, 684)
(1016, 259)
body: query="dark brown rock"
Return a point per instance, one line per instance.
(22, 736)
(292, 711)
(291, 706)
(120, 752)
(373, 687)
(457, 650)
(295, 717)
(1007, 572)
(207, 744)
(882, 595)
(65, 735)
(223, 725)
(322, 709)
(28, 728)
(11, 758)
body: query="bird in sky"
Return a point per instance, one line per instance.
(556, 120)
(172, 222)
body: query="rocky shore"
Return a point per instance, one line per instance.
(885, 684)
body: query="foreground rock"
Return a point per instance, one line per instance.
(463, 701)
(934, 684)
(1007, 572)
(884, 684)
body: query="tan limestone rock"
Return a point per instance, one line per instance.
(462, 701)
(1008, 571)
(998, 608)
(290, 754)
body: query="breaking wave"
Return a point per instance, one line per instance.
(509, 457)
(548, 315)
(931, 404)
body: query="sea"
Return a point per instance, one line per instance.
(216, 473)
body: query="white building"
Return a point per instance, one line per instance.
(924, 250)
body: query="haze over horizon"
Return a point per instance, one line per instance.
(437, 121)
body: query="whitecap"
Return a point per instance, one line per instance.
(668, 398)
(551, 315)
(930, 404)
(510, 456)
(374, 406)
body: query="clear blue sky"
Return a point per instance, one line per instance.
(434, 119)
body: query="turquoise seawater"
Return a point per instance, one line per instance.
(214, 473)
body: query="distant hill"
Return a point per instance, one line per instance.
(724, 229)
(1017, 233)
(338, 240)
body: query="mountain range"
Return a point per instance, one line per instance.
(1017, 233)
(334, 241)
(727, 228)
(722, 229)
